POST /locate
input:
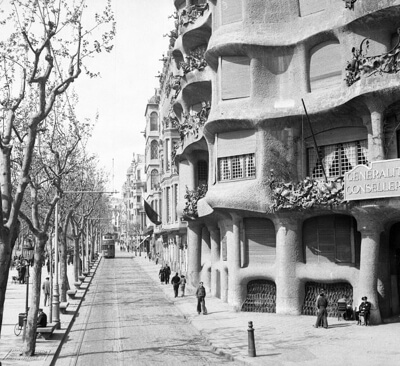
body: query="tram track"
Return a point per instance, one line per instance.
(75, 358)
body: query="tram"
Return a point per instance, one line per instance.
(108, 245)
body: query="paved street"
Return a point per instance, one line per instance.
(137, 320)
(127, 320)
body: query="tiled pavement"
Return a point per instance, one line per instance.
(279, 340)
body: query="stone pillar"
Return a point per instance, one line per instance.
(234, 291)
(288, 253)
(206, 257)
(375, 131)
(370, 229)
(215, 258)
(194, 253)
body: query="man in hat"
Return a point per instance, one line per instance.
(364, 310)
(46, 291)
(322, 304)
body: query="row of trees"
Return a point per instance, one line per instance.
(44, 45)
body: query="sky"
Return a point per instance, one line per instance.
(126, 84)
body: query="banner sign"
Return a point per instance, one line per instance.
(380, 180)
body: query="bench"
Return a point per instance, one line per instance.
(46, 332)
(63, 307)
(82, 278)
(71, 293)
(78, 284)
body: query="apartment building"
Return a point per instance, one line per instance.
(133, 217)
(288, 111)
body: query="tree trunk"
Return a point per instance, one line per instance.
(29, 344)
(63, 268)
(5, 261)
(76, 258)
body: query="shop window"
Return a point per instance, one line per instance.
(260, 240)
(331, 238)
(235, 77)
(337, 159)
(153, 122)
(325, 66)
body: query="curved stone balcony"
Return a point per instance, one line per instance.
(269, 29)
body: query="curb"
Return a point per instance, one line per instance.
(53, 360)
(215, 349)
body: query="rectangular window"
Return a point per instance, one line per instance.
(235, 77)
(167, 198)
(337, 159)
(236, 167)
(176, 202)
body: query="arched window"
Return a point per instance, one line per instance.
(153, 121)
(154, 150)
(325, 66)
(154, 179)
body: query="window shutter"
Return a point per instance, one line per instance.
(308, 7)
(235, 77)
(310, 240)
(236, 143)
(231, 11)
(261, 239)
(326, 238)
(325, 66)
(343, 239)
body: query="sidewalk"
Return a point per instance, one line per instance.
(11, 345)
(279, 340)
(286, 340)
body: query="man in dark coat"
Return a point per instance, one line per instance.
(175, 283)
(364, 310)
(167, 273)
(322, 304)
(201, 295)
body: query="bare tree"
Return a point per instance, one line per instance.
(43, 54)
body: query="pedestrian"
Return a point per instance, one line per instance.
(364, 311)
(175, 283)
(41, 322)
(161, 274)
(182, 285)
(22, 274)
(167, 273)
(46, 291)
(201, 296)
(322, 304)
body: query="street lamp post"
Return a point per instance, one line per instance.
(27, 255)
(56, 290)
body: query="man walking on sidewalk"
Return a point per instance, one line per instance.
(175, 283)
(322, 304)
(201, 302)
(46, 291)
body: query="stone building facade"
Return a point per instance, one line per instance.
(132, 218)
(273, 228)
